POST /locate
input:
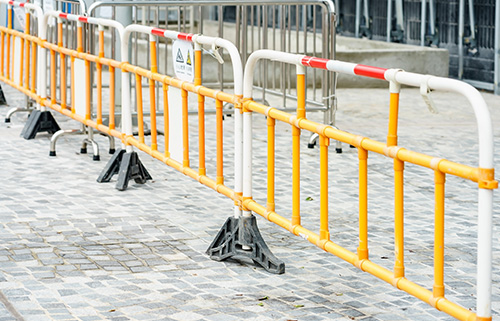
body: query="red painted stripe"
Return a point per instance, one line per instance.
(63, 15)
(11, 3)
(158, 32)
(82, 19)
(185, 36)
(22, 4)
(369, 71)
(314, 62)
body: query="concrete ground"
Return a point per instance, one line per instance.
(74, 249)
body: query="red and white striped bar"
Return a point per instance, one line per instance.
(345, 67)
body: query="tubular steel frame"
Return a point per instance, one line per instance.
(483, 175)
(245, 106)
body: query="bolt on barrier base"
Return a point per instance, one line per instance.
(39, 121)
(240, 232)
(128, 166)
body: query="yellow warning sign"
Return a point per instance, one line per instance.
(188, 59)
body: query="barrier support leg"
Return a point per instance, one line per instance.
(128, 166)
(239, 233)
(3, 101)
(39, 121)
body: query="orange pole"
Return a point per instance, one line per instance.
(111, 97)
(99, 78)
(27, 48)
(324, 234)
(140, 116)
(399, 270)
(53, 85)
(271, 163)
(301, 104)
(2, 52)
(62, 58)
(9, 26)
(220, 138)
(438, 288)
(88, 90)
(363, 204)
(392, 136)
(73, 85)
(21, 60)
(79, 37)
(201, 113)
(166, 119)
(185, 129)
(152, 96)
(33, 67)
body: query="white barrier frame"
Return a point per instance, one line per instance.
(42, 34)
(397, 76)
(199, 40)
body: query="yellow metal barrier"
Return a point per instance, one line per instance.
(241, 194)
(483, 175)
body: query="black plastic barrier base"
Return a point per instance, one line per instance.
(3, 101)
(238, 233)
(39, 121)
(128, 166)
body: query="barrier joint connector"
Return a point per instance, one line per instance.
(486, 178)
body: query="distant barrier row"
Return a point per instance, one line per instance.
(23, 65)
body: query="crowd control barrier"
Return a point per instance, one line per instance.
(18, 56)
(483, 175)
(239, 236)
(306, 26)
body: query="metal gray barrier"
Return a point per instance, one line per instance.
(305, 26)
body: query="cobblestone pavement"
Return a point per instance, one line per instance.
(74, 249)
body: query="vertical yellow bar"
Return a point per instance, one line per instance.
(2, 52)
(185, 129)
(73, 101)
(271, 163)
(99, 78)
(79, 38)
(438, 288)
(152, 97)
(399, 270)
(21, 60)
(392, 136)
(324, 234)
(363, 204)
(201, 113)
(140, 117)
(53, 85)
(301, 104)
(62, 58)
(9, 26)
(166, 119)
(111, 97)
(88, 90)
(220, 137)
(33, 67)
(27, 48)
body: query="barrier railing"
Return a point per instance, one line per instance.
(182, 163)
(239, 235)
(18, 55)
(287, 25)
(483, 175)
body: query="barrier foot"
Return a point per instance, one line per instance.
(3, 101)
(128, 166)
(235, 236)
(39, 121)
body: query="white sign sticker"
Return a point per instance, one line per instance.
(21, 17)
(183, 55)
(80, 88)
